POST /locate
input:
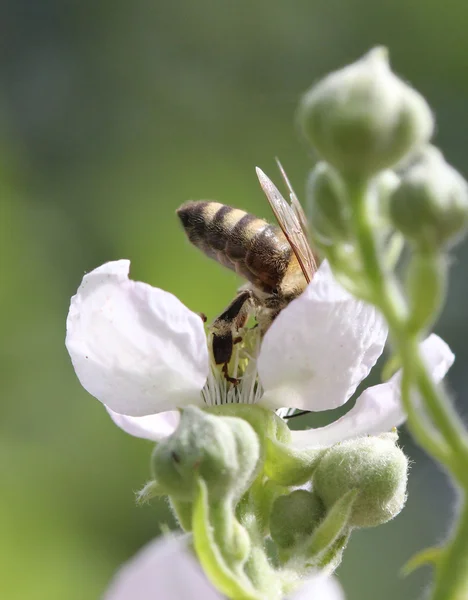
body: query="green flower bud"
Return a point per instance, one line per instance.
(294, 517)
(430, 206)
(327, 209)
(223, 451)
(363, 119)
(375, 467)
(284, 464)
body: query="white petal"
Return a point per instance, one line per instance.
(378, 409)
(151, 427)
(320, 587)
(320, 347)
(162, 569)
(136, 348)
(437, 355)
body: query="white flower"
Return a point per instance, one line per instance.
(155, 572)
(143, 354)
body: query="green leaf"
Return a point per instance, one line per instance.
(334, 526)
(428, 556)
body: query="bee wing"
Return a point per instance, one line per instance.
(290, 222)
(295, 204)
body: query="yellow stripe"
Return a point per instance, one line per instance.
(232, 218)
(210, 210)
(252, 228)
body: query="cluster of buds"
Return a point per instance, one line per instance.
(372, 132)
(234, 481)
(264, 507)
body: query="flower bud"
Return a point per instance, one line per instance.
(327, 210)
(430, 206)
(283, 464)
(223, 451)
(363, 118)
(375, 467)
(294, 517)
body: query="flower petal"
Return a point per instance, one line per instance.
(162, 569)
(378, 409)
(151, 427)
(320, 587)
(136, 348)
(320, 347)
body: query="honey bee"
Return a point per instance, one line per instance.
(277, 262)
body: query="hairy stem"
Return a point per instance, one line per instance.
(387, 297)
(450, 445)
(451, 581)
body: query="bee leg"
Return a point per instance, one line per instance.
(225, 329)
(266, 315)
(228, 378)
(222, 348)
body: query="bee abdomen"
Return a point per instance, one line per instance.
(238, 240)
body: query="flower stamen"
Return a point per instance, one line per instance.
(220, 389)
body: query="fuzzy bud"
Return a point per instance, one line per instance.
(294, 517)
(430, 206)
(363, 119)
(223, 451)
(373, 466)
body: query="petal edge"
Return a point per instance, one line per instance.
(136, 348)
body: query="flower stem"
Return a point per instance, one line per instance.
(451, 581)
(449, 444)
(387, 297)
(431, 441)
(442, 412)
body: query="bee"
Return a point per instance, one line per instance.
(277, 261)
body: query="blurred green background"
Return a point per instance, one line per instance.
(111, 115)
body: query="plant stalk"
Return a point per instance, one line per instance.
(450, 446)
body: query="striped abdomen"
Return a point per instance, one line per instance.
(256, 250)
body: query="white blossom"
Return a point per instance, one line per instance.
(144, 355)
(165, 569)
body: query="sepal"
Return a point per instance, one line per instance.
(225, 574)
(290, 466)
(150, 490)
(324, 547)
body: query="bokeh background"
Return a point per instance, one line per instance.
(111, 115)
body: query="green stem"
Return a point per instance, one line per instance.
(387, 297)
(451, 582)
(258, 568)
(427, 439)
(450, 446)
(233, 584)
(442, 412)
